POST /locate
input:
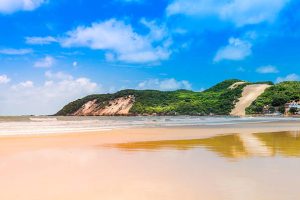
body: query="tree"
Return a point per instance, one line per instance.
(293, 110)
(281, 109)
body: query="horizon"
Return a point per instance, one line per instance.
(78, 48)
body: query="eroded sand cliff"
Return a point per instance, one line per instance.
(118, 106)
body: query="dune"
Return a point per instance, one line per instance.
(249, 95)
(118, 106)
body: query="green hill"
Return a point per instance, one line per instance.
(276, 97)
(218, 100)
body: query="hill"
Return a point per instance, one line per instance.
(233, 97)
(276, 97)
(218, 100)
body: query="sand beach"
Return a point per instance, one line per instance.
(182, 162)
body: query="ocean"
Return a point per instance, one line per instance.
(31, 125)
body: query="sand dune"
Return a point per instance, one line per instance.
(250, 94)
(119, 106)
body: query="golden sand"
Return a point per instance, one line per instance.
(222, 162)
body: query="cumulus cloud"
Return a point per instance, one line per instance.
(15, 51)
(290, 77)
(166, 84)
(269, 69)
(46, 62)
(239, 12)
(156, 32)
(237, 49)
(4, 79)
(194, 7)
(47, 97)
(22, 85)
(58, 76)
(11, 6)
(40, 40)
(121, 42)
(26, 84)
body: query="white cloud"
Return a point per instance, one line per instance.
(194, 7)
(240, 12)
(290, 77)
(15, 51)
(166, 84)
(237, 49)
(11, 6)
(58, 76)
(243, 12)
(121, 42)
(22, 85)
(46, 62)
(27, 84)
(45, 98)
(40, 40)
(156, 32)
(75, 64)
(4, 79)
(269, 69)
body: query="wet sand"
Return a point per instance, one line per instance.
(99, 138)
(245, 161)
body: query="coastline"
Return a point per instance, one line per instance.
(127, 135)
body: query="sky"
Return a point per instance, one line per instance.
(56, 51)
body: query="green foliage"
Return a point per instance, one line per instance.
(218, 100)
(281, 109)
(264, 82)
(276, 96)
(223, 85)
(293, 110)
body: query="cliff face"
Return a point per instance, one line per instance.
(118, 106)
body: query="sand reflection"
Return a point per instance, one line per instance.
(160, 170)
(229, 146)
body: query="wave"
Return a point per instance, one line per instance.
(42, 119)
(56, 125)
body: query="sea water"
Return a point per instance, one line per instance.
(32, 125)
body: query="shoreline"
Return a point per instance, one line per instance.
(10, 144)
(49, 127)
(230, 128)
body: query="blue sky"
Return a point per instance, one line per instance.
(55, 51)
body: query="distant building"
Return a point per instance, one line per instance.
(266, 110)
(290, 105)
(271, 111)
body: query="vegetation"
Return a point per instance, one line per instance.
(293, 111)
(276, 96)
(218, 100)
